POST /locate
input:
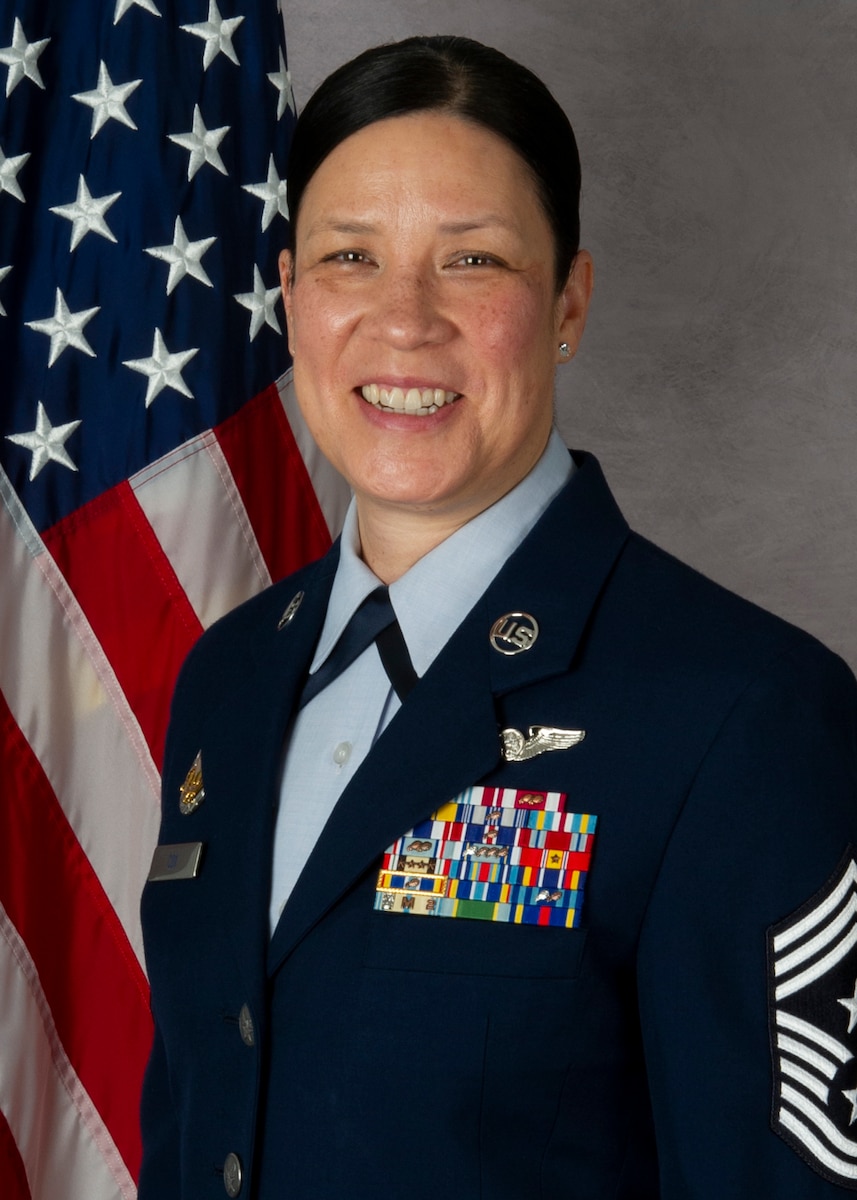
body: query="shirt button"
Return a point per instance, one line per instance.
(245, 1026)
(232, 1175)
(342, 753)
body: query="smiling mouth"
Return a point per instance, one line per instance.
(417, 402)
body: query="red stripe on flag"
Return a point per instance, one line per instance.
(12, 1173)
(88, 971)
(133, 600)
(258, 444)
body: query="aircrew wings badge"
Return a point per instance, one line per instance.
(812, 989)
(540, 738)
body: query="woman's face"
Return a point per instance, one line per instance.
(423, 315)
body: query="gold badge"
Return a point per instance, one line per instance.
(192, 791)
(517, 748)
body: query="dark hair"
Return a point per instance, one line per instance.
(462, 77)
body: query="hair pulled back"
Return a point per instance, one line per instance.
(458, 76)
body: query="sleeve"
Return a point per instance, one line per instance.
(747, 968)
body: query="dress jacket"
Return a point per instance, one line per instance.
(638, 1053)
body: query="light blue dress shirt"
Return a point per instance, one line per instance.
(331, 736)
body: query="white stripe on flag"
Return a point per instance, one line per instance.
(67, 703)
(64, 1145)
(327, 484)
(190, 499)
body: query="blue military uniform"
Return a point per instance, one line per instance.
(673, 1038)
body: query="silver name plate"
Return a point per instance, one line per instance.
(180, 861)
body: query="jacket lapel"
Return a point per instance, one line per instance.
(446, 737)
(241, 744)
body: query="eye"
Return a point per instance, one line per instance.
(476, 260)
(348, 256)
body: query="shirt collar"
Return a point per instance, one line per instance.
(434, 596)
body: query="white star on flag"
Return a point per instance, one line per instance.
(282, 81)
(107, 100)
(65, 328)
(217, 32)
(47, 442)
(4, 271)
(272, 192)
(122, 7)
(183, 256)
(87, 214)
(261, 302)
(163, 369)
(9, 168)
(22, 59)
(202, 144)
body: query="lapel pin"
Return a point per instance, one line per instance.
(514, 633)
(517, 748)
(290, 610)
(192, 791)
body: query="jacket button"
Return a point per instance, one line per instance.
(245, 1026)
(232, 1175)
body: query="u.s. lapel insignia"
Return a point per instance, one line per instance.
(514, 633)
(517, 748)
(192, 791)
(290, 610)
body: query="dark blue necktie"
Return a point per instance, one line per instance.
(374, 621)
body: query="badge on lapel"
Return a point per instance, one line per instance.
(192, 791)
(539, 739)
(492, 854)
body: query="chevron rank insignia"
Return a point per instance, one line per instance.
(812, 989)
(192, 791)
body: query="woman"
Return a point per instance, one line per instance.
(532, 905)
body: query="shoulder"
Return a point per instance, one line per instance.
(675, 615)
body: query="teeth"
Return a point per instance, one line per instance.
(418, 402)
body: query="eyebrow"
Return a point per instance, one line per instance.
(352, 227)
(450, 228)
(483, 221)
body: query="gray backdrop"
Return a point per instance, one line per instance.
(716, 377)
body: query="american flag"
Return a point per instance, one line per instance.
(152, 475)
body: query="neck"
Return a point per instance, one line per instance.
(391, 541)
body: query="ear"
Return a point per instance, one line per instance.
(573, 304)
(286, 264)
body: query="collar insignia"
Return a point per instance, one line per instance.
(514, 633)
(290, 610)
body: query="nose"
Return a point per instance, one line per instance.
(407, 312)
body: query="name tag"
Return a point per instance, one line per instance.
(179, 861)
